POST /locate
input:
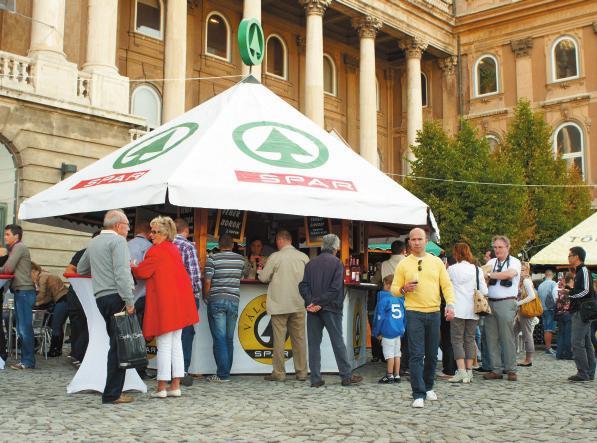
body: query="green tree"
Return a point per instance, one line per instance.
(556, 209)
(465, 211)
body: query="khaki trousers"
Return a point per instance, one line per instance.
(294, 325)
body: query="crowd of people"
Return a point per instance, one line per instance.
(424, 303)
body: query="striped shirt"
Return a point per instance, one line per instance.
(224, 269)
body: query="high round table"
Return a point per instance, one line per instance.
(92, 373)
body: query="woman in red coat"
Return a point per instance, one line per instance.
(169, 304)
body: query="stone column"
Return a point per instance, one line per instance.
(47, 29)
(314, 59)
(368, 28)
(108, 90)
(175, 59)
(252, 9)
(352, 135)
(524, 72)
(449, 94)
(53, 76)
(413, 48)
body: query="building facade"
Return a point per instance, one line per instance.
(80, 78)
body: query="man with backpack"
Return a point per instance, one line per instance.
(546, 292)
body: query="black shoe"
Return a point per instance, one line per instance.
(482, 369)
(187, 380)
(526, 365)
(385, 380)
(576, 378)
(404, 373)
(374, 359)
(397, 379)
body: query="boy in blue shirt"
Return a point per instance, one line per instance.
(388, 326)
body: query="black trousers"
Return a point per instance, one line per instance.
(376, 350)
(109, 305)
(3, 353)
(79, 333)
(448, 362)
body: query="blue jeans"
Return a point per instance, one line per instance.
(24, 301)
(423, 342)
(564, 350)
(188, 334)
(59, 314)
(222, 315)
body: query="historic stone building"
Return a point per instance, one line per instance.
(79, 78)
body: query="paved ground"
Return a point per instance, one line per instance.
(542, 406)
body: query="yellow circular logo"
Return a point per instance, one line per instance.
(256, 334)
(357, 329)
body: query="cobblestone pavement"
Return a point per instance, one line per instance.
(541, 406)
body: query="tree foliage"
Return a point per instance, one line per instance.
(475, 212)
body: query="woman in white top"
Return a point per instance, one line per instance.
(522, 323)
(466, 277)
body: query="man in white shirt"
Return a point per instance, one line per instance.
(503, 278)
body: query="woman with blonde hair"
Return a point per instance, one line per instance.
(169, 304)
(466, 277)
(525, 324)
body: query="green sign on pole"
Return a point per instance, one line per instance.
(251, 41)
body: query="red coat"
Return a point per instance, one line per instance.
(170, 303)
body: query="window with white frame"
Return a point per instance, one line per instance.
(217, 36)
(486, 75)
(493, 141)
(329, 75)
(147, 102)
(564, 59)
(276, 58)
(149, 18)
(569, 145)
(424, 90)
(8, 177)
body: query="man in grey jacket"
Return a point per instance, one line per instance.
(107, 259)
(19, 264)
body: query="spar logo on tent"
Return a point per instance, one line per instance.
(277, 144)
(284, 146)
(155, 146)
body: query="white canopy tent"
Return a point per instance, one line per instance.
(583, 235)
(244, 149)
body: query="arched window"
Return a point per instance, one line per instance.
(217, 36)
(564, 59)
(146, 102)
(329, 75)
(276, 63)
(424, 90)
(486, 75)
(149, 19)
(569, 144)
(493, 141)
(8, 186)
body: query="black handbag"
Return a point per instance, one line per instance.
(130, 343)
(588, 310)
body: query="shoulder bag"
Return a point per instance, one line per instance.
(481, 304)
(534, 308)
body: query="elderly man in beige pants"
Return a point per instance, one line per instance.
(284, 271)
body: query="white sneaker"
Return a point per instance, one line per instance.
(2, 362)
(419, 403)
(431, 396)
(460, 376)
(216, 379)
(469, 375)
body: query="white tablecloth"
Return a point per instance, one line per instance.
(92, 373)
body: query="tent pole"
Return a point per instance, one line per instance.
(200, 234)
(366, 251)
(344, 240)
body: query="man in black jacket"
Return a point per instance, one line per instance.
(322, 289)
(582, 347)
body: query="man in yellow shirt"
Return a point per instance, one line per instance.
(419, 278)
